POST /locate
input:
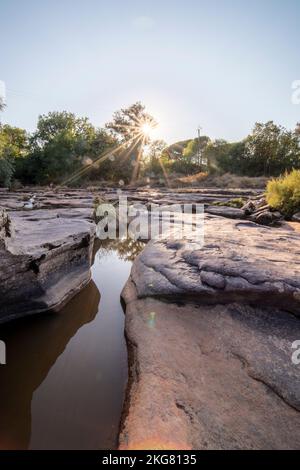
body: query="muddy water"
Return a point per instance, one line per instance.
(64, 382)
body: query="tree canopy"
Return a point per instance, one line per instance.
(67, 148)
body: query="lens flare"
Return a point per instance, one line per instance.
(147, 129)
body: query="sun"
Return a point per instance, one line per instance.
(148, 129)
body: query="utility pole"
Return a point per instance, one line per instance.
(199, 145)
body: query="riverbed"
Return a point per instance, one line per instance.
(64, 382)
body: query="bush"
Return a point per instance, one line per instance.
(283, 193)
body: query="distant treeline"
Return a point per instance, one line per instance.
(64, 144)
(269, 150)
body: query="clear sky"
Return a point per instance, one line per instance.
(223, 64)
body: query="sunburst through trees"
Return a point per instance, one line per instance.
(132, 129)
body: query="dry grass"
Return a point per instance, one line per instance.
(203, 180)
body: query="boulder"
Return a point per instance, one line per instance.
(45, 260)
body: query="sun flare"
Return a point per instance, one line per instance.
(148, 129)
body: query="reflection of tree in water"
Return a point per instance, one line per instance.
(127, 248)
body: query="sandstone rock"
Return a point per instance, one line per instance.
(210, 377)
(240, 261)
(215, 376)
(45, 260)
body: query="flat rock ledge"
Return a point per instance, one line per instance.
(45, 259)
(210, 332)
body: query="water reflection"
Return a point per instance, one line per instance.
(66, 373)
(33, 346)
(127, 248)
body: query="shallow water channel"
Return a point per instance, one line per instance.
(64, 382)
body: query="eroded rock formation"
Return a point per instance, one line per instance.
(45, 258)
(210, 332)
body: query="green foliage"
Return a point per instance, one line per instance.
(61, 146)
(13, 142)
(127, 128)
(269, 150)
(153, 164)
(13, 148)
(228, 157)
(237, 202)
(182, 167)
(283, 193)
(191, 150)
(64, 144)
(127, 122)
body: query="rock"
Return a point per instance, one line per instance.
(255, 205)
(182, 196)
(225, 211)
(261, 208)
(240, 261)
(210, 341)
(266, 217)
(296, 217)
(45, 260)
(210, 377)
(249, 207)
(59, 199)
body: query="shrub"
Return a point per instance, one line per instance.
(283, 193)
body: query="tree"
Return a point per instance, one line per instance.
(128, 123)
(13, 149)
(6, 170)
(226, 156)
(62, 144)
(131, 128)
(192, 148)
(271, 150)
(155, 158)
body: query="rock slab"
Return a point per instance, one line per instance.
(239, 261)
(210, 377)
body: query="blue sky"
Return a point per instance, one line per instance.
(223, 64)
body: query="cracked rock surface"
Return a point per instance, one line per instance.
(210, 332)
